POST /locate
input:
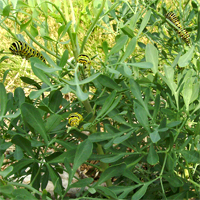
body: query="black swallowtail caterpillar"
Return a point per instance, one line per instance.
(24, 50)
(75, 119)
(83, 59)
(182, 32)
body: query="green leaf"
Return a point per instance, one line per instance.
(186, 58)
(20, 165)
(187, 93)
(107, 191)
(55, 179)
(107, 104)
(144, 65)
(173, 180)
(83, 152)
(141, 192)
(60, 159)
(112, 159)
(32, 116)
(108, 82)
(3, 101)
(119, 44)
(5, 74)
(24, 26)
(152, 157)
(23, 194)
(6, 189)
(7, 171)
(18, 155)
(115, 170)
(55, 100)
(191, 156)
(151, 55)
(31, 82)
(37, 93)
(19, 96)
(6, 11)
(155, 137)
(136, 91)
(24, 144)
(141, 116)
(144, 22)
(82, 183)
(64, 59)
(82, 96)
(127, 31)
(52, 122)
(40, 74)
(121, 139)
(102, 136)
(129, 49)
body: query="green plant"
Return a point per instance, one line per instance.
(142, 121)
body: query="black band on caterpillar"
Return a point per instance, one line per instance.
(24, 50)
(182, 32)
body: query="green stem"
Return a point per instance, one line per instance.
(92, 26)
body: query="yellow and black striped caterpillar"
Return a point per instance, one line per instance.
(182, 32)
(75, 119)
(83, 59)
(24, 50)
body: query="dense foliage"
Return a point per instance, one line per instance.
(139, 100)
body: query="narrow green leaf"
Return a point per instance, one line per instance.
(5, 74)
(187, 93)
(144, 22)
(141, 116)
(32, 116)
(64, 59)
(136, 91)
(112, 159)
(115, 170)
(31, 82)
(144, 65)
(121, 139)
(157, 106)
(151, 55)
(186, 58)
(107, 104)
(82, 183)
(55, 179)
(24, 144)
(108, 82)
(127, 31)
(152, 157)
(119, 44)
(55, 100)
(37, 93)
(83, 152)
(20, 165)
(107, 191)
(19, 96)
(140, 193)
(82, 96)
(3, 101)
(40, 74)
(129, 49)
